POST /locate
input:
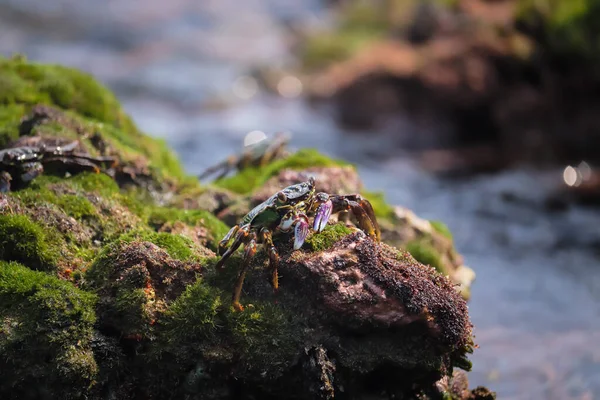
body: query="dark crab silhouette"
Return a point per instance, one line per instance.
(28, 159)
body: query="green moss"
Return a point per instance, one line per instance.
(88, 106)
(76, 206)
(45, 332)
(32, 83)
(441, 228)
(158, 216)
(199, 320)
(359, 25)
(24, 241)
(101, 184)
(326, 239)
(266, 335)
(426, 254)
(193, 315)
(131, 309)
(251, 178)
(330, 47)
(178, 247)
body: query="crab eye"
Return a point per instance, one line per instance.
(281, 197)
(311, 181)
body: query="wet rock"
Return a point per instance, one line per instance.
(362, 283)
(318, 371)
(430, 243)
(358, 317)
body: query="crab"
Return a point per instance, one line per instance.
(287, 210)
(256, 155)
(21, 164)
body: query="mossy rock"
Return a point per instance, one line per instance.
(57, 101)
(131, 305)
(46, 328)
(28, 84)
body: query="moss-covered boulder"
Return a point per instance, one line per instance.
(365, 311)
(108, 287)
(55, 101)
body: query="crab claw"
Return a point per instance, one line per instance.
(322, 216)
(300, 233)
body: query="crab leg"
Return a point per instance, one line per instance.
(76, 161)
(225, 241)
(362, 210)
(226, 166)
(241, 237)
(273, 256)
(366, 206)
(249, 252)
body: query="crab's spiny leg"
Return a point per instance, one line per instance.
(77, 162)
(77, 157)
(229, 165)
(241, 237)
(225, 241)
(225, 165)
(249, 252)
(273, 256)
(368, 208)
(270, 154)
(341, 203)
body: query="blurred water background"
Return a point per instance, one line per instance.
(181, 70)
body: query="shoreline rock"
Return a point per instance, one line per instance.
(108, 287)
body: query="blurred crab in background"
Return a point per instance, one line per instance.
(255, 154)
(289, 209)
(27, 159)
